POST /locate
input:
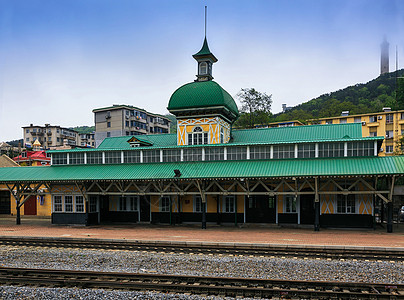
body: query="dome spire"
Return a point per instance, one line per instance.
(205, 59)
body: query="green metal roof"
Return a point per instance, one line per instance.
(205, 52)
(362, 166)
(258, 136)
(202, 94)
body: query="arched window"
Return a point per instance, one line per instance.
(197, 137)
(203, 68)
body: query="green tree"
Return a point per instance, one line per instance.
(400, 92)
(255, 108)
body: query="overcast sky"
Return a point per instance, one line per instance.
(61, 59)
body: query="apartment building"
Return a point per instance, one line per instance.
(49, 136)
(122, 120)
(387, 123)
(87, 139)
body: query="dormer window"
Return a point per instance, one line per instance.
(197, 137)
(203, 68)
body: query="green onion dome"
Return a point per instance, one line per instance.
(202, 96)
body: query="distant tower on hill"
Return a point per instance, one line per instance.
(384, 59)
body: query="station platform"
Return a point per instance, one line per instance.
(33, 226)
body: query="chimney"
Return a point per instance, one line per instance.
(386, 109)
(345, 113)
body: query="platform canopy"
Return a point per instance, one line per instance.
(285, 168)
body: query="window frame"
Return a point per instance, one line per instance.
(290, 204)
(197, 204)
(230, 207)
(198, 136)
(164, 204)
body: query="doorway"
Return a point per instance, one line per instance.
(30, 206)
(307, 211)
(261, 209)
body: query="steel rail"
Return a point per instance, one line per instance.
(266, 250)
(220, 286)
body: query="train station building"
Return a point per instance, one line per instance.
(209, 173)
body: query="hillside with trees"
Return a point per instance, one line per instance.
(84, 129)
(357, 99)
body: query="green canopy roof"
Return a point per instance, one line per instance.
(202, 94)
(352, 166)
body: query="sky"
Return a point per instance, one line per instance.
(61, 59)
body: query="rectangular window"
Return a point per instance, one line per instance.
(133, 203)
(122, 203)
(260, 152)
(79, 204)
(76, 158)
(93, 204)
(57, 204)
(165, 204)
(360, 149)
(229, 204)
(389, 119)
(389, 134)
(108, 124)
(113, 157)
(372, 119)
(108, 134)
(68, 203)
(290, 204)
(198, 204)
(357, 119)
(306, 150)
(131, 157)
(328, 121)
(151, 156)
(373, 132)
(330, 149)
(284, 151)
(345, 204)
(389, 149)
(193, 154)
(171, 155)
(214, 153)
(94, 158)
(342, 121)
(236, 153)
(59, 158)
(128, 203)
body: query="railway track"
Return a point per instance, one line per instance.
(211, 248)
(219, 286)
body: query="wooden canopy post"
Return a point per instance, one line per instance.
(203, 203)
(390, 207)
(316, 206)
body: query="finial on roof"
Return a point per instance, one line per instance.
(206, 13)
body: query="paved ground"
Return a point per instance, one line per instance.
(41, 227)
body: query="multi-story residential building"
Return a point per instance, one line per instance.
(87, 139)
(50, 136)
(387, 123)
(122, 120)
